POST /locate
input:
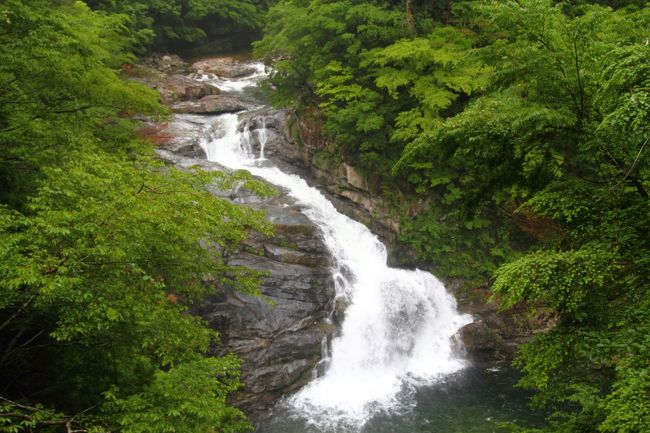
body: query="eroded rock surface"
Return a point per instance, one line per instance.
(346, 188)
(278, 335)
(181, 87)
(211, 104)
(224, 67)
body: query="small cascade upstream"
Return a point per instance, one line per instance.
(232, 84)
(398, 326)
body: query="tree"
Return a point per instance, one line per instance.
(557, 141)
(173, 24)
(103, 250)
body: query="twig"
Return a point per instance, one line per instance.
(17, 312)
(636, 160)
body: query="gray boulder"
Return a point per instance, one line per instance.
(212, 104)
(278, 336)
(224, 67)
(181, 87)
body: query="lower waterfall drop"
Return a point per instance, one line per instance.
(398, 326)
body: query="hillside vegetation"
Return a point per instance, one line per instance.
(102, 248)
(525, 124)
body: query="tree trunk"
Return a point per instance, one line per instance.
(447, 12)
(410, 20)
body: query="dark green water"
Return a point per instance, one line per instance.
(475, 400)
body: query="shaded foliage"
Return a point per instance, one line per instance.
(174, 24)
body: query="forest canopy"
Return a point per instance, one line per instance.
(179, 24)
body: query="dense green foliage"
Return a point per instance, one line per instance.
(175, 24)
(525, 124)
(103, 250)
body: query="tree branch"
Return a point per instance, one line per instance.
(18, 311)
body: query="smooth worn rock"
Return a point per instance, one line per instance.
(353, 177)
(277, 335)
(213, 104)
(168, 63)
(294, 256)
(481, 342)
(184, 135)
(223, 67)
(184, 88)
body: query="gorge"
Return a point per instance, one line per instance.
(344, 339)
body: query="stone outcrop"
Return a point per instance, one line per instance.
(212, 104)
(224, 67)
(277, 335)
(176, 82)
(344, 184)
(182, 136)
(180, 87)
(165, 63)
(495, 335)
(168, 76)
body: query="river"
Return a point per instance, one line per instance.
(395, 365)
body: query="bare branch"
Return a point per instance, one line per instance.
(18, 311)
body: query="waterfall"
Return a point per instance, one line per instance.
(398, 326)
(226, 144)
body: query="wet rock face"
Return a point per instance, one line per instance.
(224, 67)
(278, 335)
(183, 135)
(168, 63)
(184, 88)
(481, 343)
(496, 334)
(344, 185)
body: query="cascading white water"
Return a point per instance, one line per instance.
(226, 144)
(398, 324)
(263, 137)
(234, 84)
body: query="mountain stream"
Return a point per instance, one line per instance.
(395, 349)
